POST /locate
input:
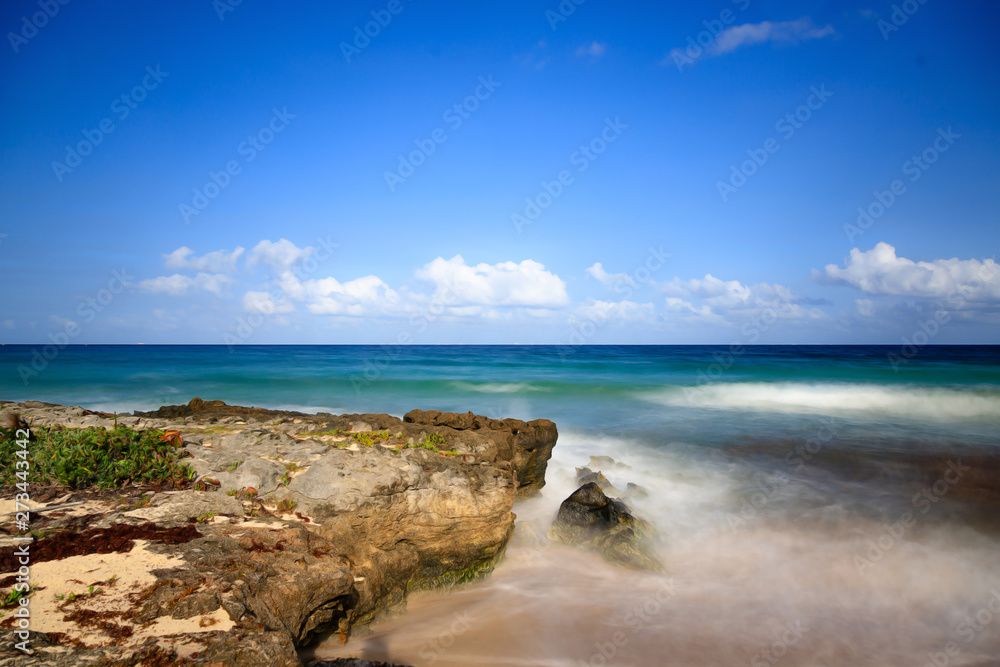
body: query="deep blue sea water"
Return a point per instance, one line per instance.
(776, 477)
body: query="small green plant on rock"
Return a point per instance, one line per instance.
(287, 504)
(13, 598)
(436, 439)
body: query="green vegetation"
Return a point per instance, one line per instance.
(430, 441)
(83, 457)
(435, 439)
(331, 431)
(205, 517)
(287, 505)
(13, 598)
(371, 438)
(243, 494)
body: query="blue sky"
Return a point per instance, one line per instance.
(220, 173)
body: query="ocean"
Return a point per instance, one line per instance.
(814, 505)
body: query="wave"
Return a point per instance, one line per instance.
(935, 403)
(308, 409)
(498, 387)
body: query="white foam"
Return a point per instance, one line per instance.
(937, 403)
(498, 387)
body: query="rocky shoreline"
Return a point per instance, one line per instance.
(295, 526)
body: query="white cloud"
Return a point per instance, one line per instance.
(866, 307)
(174, 285)
(363, 296)
(524, 285)
(727, 301)
(263, 302)
(593, 49)
(598, 273)
(880, 272)
(747, 34)
(279, 255)
(219, 261)
(9, 324)
(737, 36)
(178, 285)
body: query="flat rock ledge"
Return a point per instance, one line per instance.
(299, 526)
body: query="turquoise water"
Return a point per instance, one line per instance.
(940, 390)
(777, 478)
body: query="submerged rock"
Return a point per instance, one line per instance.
(586, 476)
(588, 519)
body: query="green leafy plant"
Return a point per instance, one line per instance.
(13, 597)
(287, 505)
(96, 457)
(435, 439)
(431, 444)
(205, 517)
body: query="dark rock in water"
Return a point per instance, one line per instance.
(588, 519)
(586, 476)
(600, 462)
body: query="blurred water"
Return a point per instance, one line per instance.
(815, 505)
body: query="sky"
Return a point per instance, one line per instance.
(578, 172)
